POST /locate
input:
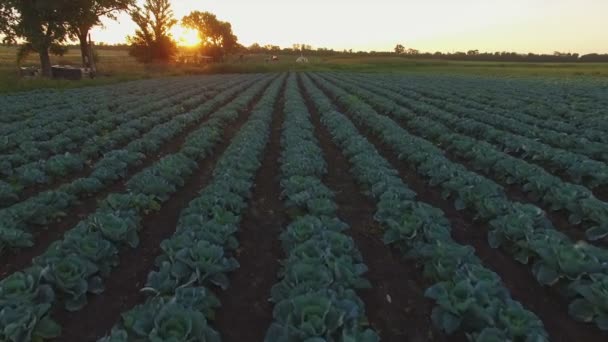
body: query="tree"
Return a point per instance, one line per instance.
(152, 41)
(41, 23)
(88, 15)
(399, 49)
(217, 38)
(7, 22)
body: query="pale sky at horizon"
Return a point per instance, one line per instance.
(539, 26)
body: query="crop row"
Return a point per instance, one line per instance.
(549, 122)
(22, 106)
(198, 256)
(580, 169)
(20, 221)
(30, 109)
(505, 104)
(323, 267)
(523, 230)
(578, 201)
(89, 131)
(579, 103)
(39, 130)
(73, 267)
(126, 128)
(542, 136)
(468, 297)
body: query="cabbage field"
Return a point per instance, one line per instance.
(310, 206)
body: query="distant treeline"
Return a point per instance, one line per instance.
(514, 57)
(471, 55)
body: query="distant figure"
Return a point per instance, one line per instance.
(275, 58)
(302, 59)
(241, 58)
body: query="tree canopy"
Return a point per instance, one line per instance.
(399, 49)
(152, 40)
(41, 23)
(217, 38)
(88, 14)
(44, 25)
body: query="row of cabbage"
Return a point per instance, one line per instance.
(576, 200)
(23, 109)
(520, 103)
(315, 297)
(24, 105)
(580, 270)
(579, 103)
(572, 143)
(468, 297)
(90, 131)
(198, 256)
(42, 125)
(20, 221)
(497, 106)
(49, 127)
(74, 266)
(578, 168)
(111, 134)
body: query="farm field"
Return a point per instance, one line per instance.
(306, 206)
(115, 66)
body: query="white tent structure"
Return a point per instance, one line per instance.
(302, 59)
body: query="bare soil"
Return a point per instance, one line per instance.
(246, 312)
(551, 308)
(123, 284)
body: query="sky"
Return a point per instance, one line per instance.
(538, 26)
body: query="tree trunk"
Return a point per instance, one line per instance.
(84, 48)
(45, 62)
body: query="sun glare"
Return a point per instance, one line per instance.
(185, 36)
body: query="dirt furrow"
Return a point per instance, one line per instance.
(123, 284)
(513, 191)
(245, 303)
(54, 231)
(395, 305)
(551, 307)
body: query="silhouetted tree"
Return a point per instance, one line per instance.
(152, 41)
(41, 23)
(217, 38)
(399, 49)
(7, 21)
(255, 48)
(88, 14)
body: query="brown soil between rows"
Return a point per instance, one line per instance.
(123, 284)
(600, 192)
(559, 218)
(395, 304)
(246, 312)
(33, 190)
(551, 308)
(54, 231)
(513, 191)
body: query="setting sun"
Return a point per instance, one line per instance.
(185, 36)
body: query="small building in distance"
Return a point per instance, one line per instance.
(194, 58)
